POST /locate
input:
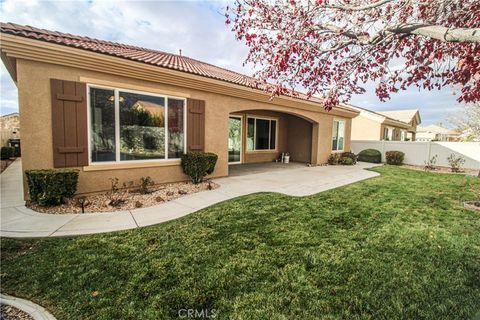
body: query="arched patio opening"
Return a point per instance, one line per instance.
(262, 136)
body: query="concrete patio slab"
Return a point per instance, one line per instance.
(17, 221)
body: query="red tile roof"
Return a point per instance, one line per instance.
(149, 56)
(139, 54)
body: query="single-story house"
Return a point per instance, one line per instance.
(410, 116)
(389, 125)
(9, 128)
(436, 133)
(116, 110)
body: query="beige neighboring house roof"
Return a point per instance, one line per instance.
(406, 115)
(381, 118)
(437, 129)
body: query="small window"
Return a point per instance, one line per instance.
(261, 134)
(338, 135)
(385, 133)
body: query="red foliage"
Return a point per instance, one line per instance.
(332, 47)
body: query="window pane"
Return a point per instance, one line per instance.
(273, 133)
(334, 135)
(250, 133)
(102, 125)
(341, 134)
(176, 128)
(142, 127)
(262, 134)
(235, 139)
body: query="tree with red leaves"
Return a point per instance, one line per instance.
(332, 47)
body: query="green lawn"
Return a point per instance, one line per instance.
(399, 246)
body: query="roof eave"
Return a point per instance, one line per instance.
(36, 50)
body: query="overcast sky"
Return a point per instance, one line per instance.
(195, 27)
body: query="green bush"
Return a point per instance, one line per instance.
(351, 156)
(335, 158)
(394, 157)
(198, 164)
(347, 161)
(370, 155)
(212, 161)
(345, 158)
(50, 186)
(7, 153)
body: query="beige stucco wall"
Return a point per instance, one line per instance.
(365, 129)
(35, 112)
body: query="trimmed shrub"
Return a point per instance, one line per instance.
(347, 161)
(345, 158)
(335, 158)
(394, 157)
(51, 186)
(7, 153)
(212, 161)
(350, 155)
(198, 164)
(370, 155)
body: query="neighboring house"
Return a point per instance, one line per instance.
(371, 125)
(9, 127)
(410, 116)
(436, 133)
(92, 104)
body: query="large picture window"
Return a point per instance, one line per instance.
(126, 126)
(261, 134)
(338, 135)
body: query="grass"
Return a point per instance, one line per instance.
(399, 246)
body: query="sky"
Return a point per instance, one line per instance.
(195, 27)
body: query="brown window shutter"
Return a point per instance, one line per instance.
(195, 125)
(69, 123)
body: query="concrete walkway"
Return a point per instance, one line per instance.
(17, 221)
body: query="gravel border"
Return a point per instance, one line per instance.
(34, 310)
(439, 169)
(131, 198)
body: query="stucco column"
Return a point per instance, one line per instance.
(315, 142)
(322, 139)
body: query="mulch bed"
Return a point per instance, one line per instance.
(132, 199)
(11, 313)
(439, 169)
(5, 164)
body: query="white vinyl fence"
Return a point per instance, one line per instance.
(417, 153)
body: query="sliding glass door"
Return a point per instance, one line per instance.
(235, 140)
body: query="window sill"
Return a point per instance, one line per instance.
(132, 165)
(261, 151)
